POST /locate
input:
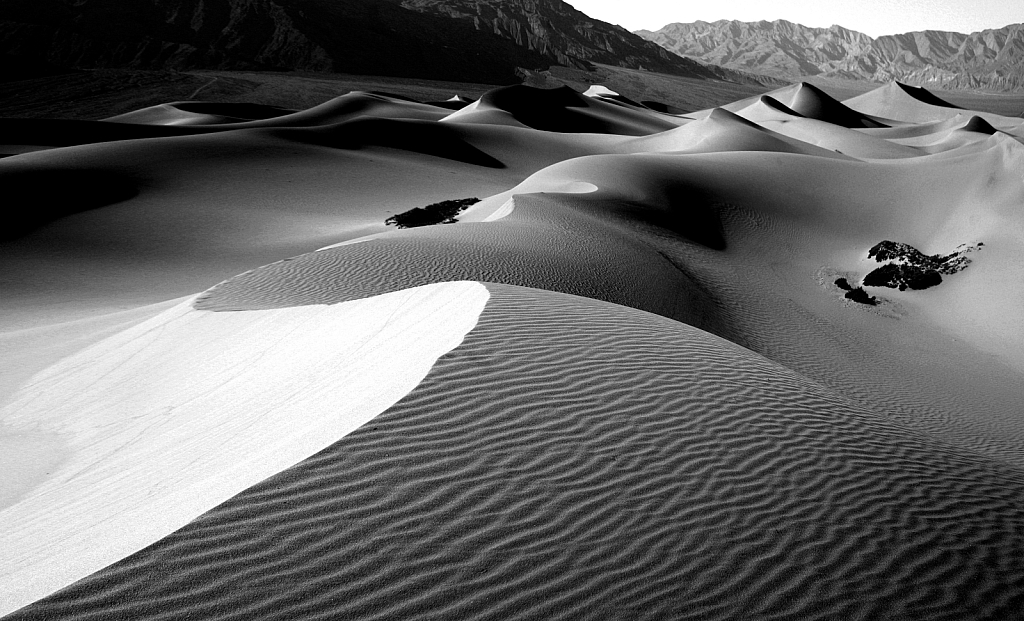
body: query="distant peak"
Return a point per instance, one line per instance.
(790, 51)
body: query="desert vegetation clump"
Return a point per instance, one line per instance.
(856, 294)
(443, 212)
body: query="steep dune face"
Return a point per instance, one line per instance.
(761, 361)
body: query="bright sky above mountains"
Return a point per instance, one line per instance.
(872, 17)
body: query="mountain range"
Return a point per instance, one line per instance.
(483, 41)
(990, 59)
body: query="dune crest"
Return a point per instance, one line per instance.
(175, 415)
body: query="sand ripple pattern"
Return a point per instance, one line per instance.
(574, 459)
(548, 242)
(646, 256)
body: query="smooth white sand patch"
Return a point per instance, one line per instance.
(165, 420)
(29, 351)
(502, 205)
(506, 209)
(597, 90)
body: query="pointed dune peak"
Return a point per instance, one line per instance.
(812, 102)
(456, 102)
(725, 119)
(770, 102)
(904, 103)
(767, 108)
(979, 125)
(923, 95)
(723, 131)
(564, 110)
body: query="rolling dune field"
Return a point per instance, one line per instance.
(540, 354)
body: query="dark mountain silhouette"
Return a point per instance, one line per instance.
(458, 40)
(350, 36)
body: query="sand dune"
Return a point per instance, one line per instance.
(842, 140)
(916, 105)
(806, 100)
(606, 461)
(200, 113)
(767, 108)
(724, 131)
(562, 110)
(166, 421)
(813, 103)
(197, 209)
(655, 372)
(26, 135)
(346, 107)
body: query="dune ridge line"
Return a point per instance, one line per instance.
(170, 418)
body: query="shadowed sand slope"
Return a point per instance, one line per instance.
(805, 100)
(576, 459)
(813, 103)
(198, 209)
(196, 117)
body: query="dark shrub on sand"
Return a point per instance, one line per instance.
(436, 213)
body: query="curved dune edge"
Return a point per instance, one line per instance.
(574, 459)
(168, 419)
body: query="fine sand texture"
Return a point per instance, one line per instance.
(759, 361)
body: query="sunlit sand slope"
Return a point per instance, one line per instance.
(160, 423)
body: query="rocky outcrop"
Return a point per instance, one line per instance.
(990, 59)
(905, 267)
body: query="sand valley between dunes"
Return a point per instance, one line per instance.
(539, 355)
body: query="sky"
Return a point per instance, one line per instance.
(872, 17)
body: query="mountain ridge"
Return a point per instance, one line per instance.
(989, 59)
(478, 41)
(380, 37)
